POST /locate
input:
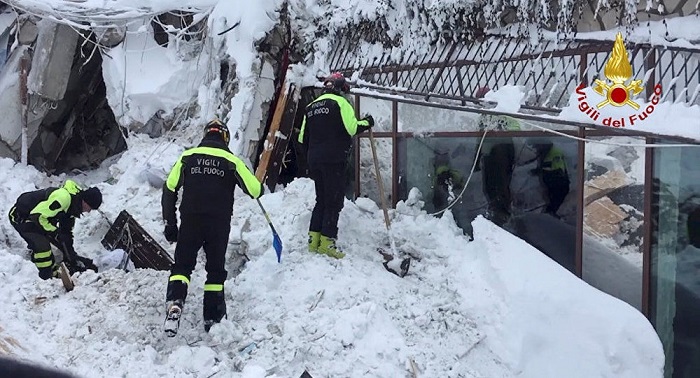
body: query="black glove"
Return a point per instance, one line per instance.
(81, 264)
(370, 120)
(170, 232)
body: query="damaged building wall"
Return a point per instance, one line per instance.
(11, 106)
(52, 61)
(79, 131)
(278, 51)
(260, 111)
(22, 33)
(69, 124)
(275, 54)
(7, 18)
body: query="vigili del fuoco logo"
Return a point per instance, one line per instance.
(618, 90)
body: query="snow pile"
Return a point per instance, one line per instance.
(492, 307)
(143, 78)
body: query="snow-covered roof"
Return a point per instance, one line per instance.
(79, 12)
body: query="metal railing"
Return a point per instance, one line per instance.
(549, 70)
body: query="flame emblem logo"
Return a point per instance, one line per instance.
(618, 70)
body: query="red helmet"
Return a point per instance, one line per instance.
(336, 82)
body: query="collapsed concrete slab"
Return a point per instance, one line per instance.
(52, 61)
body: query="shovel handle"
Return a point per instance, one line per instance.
(380, 183)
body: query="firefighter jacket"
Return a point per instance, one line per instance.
(328, 127)
(53, 209)
(444, 176)
(208, 175)
(554, 164)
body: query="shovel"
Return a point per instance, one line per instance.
(405, 263)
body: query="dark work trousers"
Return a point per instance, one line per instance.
(211, 233)
(329, 181)
(557, 188)
(38, 242)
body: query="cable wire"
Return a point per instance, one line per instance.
(643, 145)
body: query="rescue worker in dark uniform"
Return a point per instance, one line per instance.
(47, 216)
(208, 175)
(497, 161)
(551, 168)
(327, 129)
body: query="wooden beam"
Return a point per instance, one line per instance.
(271, 138)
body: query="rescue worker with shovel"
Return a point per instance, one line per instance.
(208, 175)
(47, 216)
(327, 129)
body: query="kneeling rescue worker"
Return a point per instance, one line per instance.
(47, 216)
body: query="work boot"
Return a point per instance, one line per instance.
(172, 317)
(328, 248)
(214, 308)
(314, 241)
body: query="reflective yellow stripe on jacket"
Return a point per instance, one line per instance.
(59, 200)
(347, 113)
(252, 185)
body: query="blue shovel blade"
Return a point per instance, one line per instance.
(277, 244)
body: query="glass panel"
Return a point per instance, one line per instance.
(675, 259)
(526, 185)
(439, 167)
(419, 118)
(368, 179)
(544, 194)
(530, 125)
(613, 198)
(380, 111)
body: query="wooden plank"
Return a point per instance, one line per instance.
(125, 233)
(271, 138)
(602, 185)
(603, 217)
(283, 139)
(65, 277)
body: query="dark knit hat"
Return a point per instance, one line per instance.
(92, 196)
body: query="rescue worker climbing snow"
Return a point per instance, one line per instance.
(327, 129)
(208, 175)
(47, 216)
